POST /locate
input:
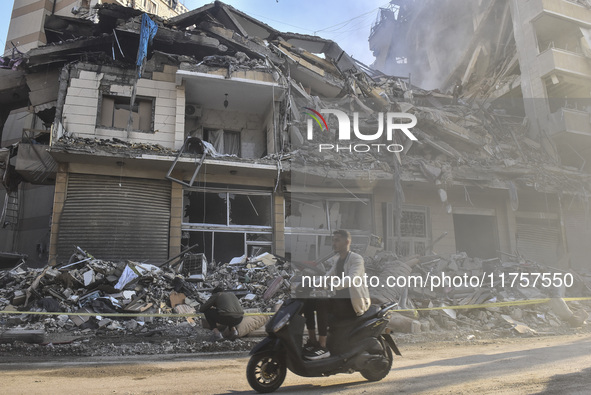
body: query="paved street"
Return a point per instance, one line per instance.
(560, 364)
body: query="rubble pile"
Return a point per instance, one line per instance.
(111, 145)
(262, 280)
(90, 285)
(461, 143)
(485, 281)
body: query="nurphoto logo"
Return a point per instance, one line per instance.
(393, 121)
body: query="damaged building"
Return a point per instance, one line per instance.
(528, 64)
(152, 135)
(27, 209)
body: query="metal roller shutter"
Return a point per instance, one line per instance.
(539, 240)
(115, 218)
(578, 236)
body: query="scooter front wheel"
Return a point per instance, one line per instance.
(265, 372)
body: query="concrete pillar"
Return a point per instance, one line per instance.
(59, 198)
(179, 129)
(176, 219)
(279, 224)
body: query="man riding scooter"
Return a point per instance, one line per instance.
(350, 301)
(358, 340)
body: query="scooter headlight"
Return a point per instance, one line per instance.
(282, 322)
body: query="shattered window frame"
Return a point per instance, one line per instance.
(152, 7)
(321, 238)
(410, 243)
(124, 100)
(256, 238)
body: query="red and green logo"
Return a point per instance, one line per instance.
(315, 115)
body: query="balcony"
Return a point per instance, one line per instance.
(564, 9)
(566, 121)
(555, 59)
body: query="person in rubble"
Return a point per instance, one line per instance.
(222, 308)
(350, 301)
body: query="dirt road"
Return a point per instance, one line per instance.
(549, 365)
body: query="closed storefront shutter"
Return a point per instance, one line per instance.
(115, 218)
(578, 236)
(539, 240)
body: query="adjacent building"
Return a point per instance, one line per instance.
(516, 58)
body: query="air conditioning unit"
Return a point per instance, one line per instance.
(194, 267)
(192, 110)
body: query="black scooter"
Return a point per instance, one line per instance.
(359, 345)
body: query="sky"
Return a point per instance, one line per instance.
(5, 12)
(348, 22)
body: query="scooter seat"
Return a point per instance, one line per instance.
(369, 314)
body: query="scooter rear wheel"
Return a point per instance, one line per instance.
(265, 372)
(378, 374)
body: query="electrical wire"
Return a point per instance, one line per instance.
(341, 25)
(330, 29)
(283, 23)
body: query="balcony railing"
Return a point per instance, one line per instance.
(574, 10)
(566, 61)
(567, 120)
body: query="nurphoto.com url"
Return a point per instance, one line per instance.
(431, 281)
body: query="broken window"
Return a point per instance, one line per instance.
(226, 224)
(349, 214)
(224, 141)
(306, 213)
(309, 223)
(227, 208)
(206, 208)
(150, 6)
(250, 209)
(414, 230)
(115, 112)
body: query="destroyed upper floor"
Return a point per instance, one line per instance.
(528, 59)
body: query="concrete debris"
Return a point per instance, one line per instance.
(262, 284)
(132, 287)
(519, 326)
(419, 293)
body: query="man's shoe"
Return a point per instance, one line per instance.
(318, 353)
(310, 346)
